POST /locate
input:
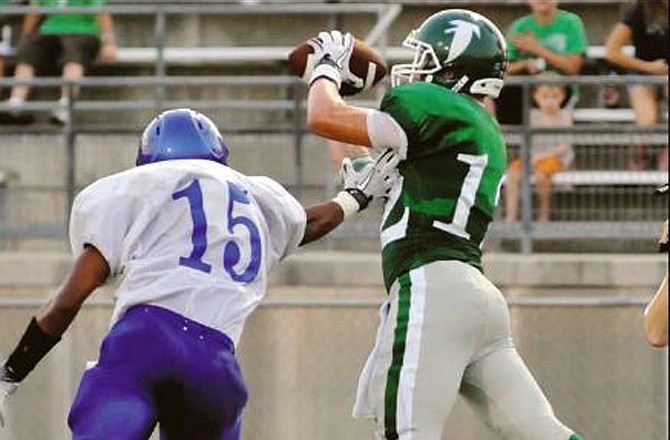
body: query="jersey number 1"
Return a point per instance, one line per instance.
(466, 199)
(231, 252)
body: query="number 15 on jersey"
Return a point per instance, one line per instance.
(232, 250)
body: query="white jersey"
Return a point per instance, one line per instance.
(192, 236)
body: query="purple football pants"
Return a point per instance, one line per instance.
(157, 366)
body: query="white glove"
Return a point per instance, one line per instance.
(6, 390)
(375, 180)
(381, 175)
(332, 51)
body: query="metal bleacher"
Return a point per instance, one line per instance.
(262, 54)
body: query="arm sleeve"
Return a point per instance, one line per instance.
(285, 216)
(101, 219)
(385, 132)
(394, 126)
(577, 40)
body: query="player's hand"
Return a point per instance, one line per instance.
(375, 180)
(7, 388)
(332, 51)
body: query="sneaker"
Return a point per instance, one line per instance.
(15, 115)
(59, 116)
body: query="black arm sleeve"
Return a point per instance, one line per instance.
(32, 347)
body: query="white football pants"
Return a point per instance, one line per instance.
(445, 329)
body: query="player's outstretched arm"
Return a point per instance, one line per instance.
(360, 188)
(327, 113)
(44, 331)
(321, 219)
(330, 117)
(88, 273)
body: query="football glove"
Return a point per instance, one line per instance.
(374, 180)
(7, 388)
(332, 52)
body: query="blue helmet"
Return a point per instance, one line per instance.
(181, 134)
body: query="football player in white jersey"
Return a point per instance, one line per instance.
(194, 240)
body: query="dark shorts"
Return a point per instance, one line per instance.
(157, 366)
(43, 52)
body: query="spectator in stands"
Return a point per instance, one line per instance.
(4, 39)
(6, 34)
(548, 39)
(76, 40)
(549, 153)
(645, 25)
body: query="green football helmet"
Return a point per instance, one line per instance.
(459, 49)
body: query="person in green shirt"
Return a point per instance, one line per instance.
(444, 327)
(4, 43)
(76, 41)
(547, 39)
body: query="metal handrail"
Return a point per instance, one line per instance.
(521, 80)
(297, 105)
(139, 81)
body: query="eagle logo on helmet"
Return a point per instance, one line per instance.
(458, 49)
(463, 32)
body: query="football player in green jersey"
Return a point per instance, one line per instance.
(444, 327)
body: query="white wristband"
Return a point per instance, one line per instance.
(347, 202)
(326, 71)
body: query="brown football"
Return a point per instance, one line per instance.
(365, 62)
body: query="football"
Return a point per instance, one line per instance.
(365, 62)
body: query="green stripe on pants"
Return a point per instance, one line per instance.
(393, 377)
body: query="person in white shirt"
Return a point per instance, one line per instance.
(194, 241)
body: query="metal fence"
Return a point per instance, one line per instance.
(609, 201)
(621, 205)
(301, 358)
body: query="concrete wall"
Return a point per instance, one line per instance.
(301, 363)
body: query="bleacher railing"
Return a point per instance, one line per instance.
(526, 230)
(385, 14)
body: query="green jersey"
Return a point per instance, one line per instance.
(70, 23)
(451, 176)
(565, 35)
